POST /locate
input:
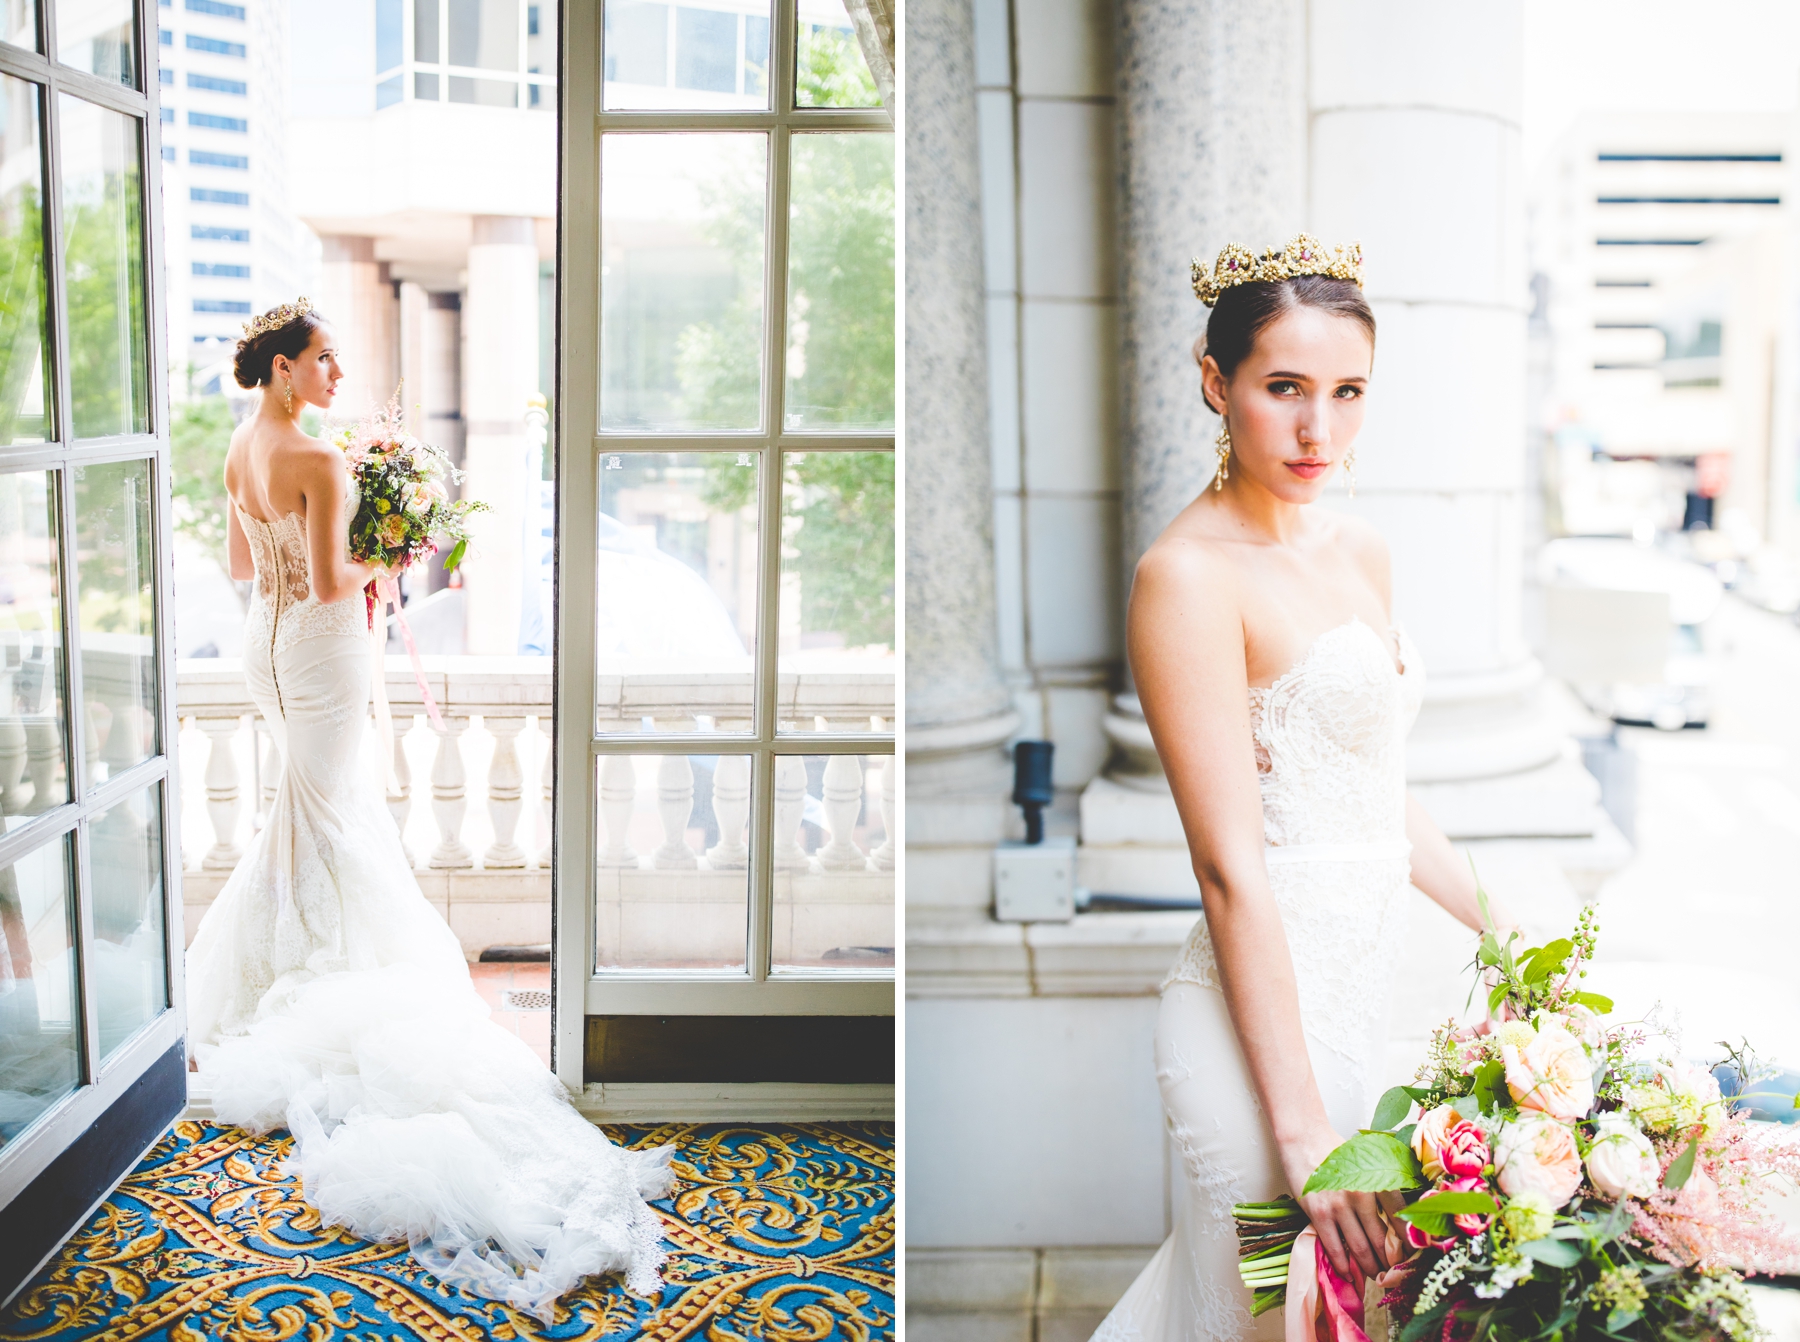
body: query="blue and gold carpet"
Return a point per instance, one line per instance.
(782, 1232)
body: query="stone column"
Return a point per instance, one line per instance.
(1415, 151)
(957, 707)
(357, 296)
(500, 375)
(1212, 98)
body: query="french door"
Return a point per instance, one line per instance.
(725, 595)
(92, 1064)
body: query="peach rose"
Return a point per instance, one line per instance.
(1551, 1074)
(1621, 1162)
(1535, 1153)
(1428, 1138)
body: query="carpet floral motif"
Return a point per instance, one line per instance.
(782, 1232)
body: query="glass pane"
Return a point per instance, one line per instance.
(840, 359)
(540, 48)
(834, 862)
(130, 979)
(24, 333)
(829, 69)
(390, 24)
(33, 772)
(687, 57)
(102, 185)
(674, 862)
(20, 20)
(40, 1043)
(675, 616)
(117, 600)
(95, 35)
(484, 34)
(681, 281)
(837, 591)
(482, 92)
(426, 21)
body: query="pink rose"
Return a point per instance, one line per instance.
(1551, 1074)
(1535, 1153)
(1428, 1138)
(1464, 1151)
(1418, 1239)
(1470, 1223)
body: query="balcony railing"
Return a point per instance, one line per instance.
(672, 858)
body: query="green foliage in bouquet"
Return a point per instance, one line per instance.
(1564, 1182)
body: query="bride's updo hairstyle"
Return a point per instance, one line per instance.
(286, 330)
(1247, 293)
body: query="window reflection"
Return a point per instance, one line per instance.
(834, 862)
(673, 864)
(18, 23)
(102, 185)
(681, 289)
(96, 36)
(33, 773)
(129, 978)
(39, 1037)
(829, 67)
(675, 616)
(686, 57)
(24, 416)
(117, 602)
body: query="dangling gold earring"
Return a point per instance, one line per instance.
(287, 392)
(1350, 471)
(1223, 446)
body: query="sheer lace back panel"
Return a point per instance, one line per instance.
(282, 606)
(1331, 739)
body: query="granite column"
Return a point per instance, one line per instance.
(958, 711)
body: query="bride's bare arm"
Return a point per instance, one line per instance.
(325, 484)
(1185, 639)
(1444, 874)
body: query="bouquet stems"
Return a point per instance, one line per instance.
(1266, 1233)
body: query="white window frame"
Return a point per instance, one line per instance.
(761, 991)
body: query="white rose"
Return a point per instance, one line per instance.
(1621, 1163)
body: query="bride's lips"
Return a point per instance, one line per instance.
(1310, 468)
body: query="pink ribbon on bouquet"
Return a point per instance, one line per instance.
(1321, 1306)
(388, 591)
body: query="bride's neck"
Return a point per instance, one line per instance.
(1257, 510)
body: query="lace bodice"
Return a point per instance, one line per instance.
(1331, 751)
(1331, 740)
(283, 608)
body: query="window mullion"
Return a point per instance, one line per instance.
(85, 968)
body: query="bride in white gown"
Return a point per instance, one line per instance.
(324, 993)
(1279, 693)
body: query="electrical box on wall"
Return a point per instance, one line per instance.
(1035, 883)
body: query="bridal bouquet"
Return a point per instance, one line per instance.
(404, 508)
(1567, 1180)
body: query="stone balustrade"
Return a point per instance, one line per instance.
(672, 840)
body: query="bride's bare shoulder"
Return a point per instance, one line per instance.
(1186, 570)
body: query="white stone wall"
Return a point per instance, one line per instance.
(1049, 219)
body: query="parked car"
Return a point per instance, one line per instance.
(1670, 689)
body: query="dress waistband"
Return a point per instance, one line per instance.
(1380, 850)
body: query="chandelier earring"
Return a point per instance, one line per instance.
(1222, 444)
(1350, 471)
(287, 395)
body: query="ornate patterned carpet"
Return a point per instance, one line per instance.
(782, 1232)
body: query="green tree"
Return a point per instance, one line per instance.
(104, 267)
(199, 434)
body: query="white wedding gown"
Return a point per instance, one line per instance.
(1330, 752)
(326, 995)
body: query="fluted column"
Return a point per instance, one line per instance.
(1213, 112)
(957, 708)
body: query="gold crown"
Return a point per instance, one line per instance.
(275, 318)
(1305, 255)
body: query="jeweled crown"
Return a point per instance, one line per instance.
(1305, 255)
(275, 318)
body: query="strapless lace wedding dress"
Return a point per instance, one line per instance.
(326, 995)
(1330, 753)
